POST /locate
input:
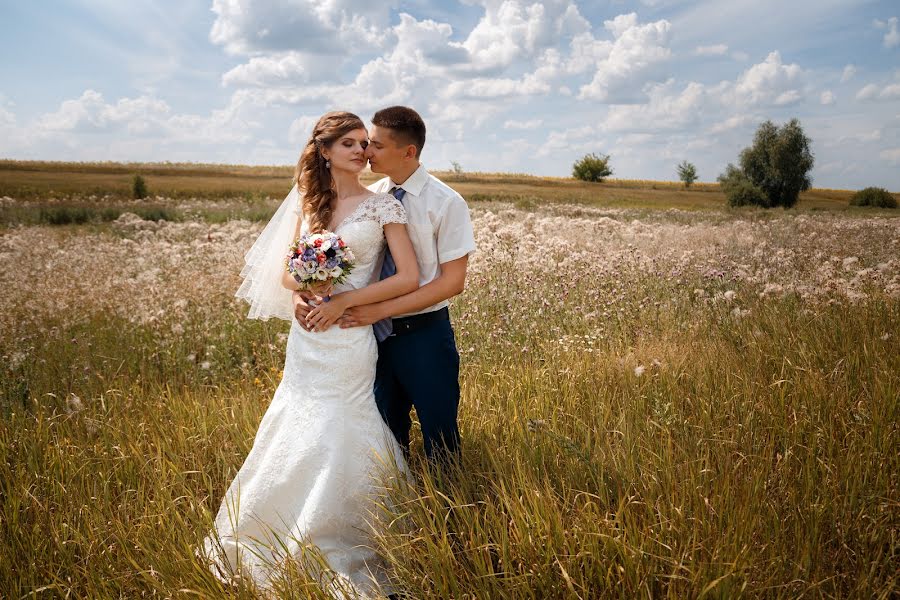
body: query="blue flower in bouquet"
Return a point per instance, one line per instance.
(319, 257)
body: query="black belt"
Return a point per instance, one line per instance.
(404, 325)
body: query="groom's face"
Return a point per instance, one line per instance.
(386, 155)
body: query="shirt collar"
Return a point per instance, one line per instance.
(414, 184)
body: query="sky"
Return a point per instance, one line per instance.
(504, 86)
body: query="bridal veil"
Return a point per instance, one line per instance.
(265, 264)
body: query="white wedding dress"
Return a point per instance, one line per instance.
(322, 450)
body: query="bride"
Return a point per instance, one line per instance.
(322, 449)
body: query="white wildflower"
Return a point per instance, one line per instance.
(73, 403)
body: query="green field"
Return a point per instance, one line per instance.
(661, 397)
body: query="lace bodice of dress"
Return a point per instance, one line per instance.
(363, 232)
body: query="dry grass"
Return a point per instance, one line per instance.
(656, 403)
(37, 181)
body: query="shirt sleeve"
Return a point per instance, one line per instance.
(390, 210)
(456, 237)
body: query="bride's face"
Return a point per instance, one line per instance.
(348, 152)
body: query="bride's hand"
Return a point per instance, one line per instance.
(322, 289)
(325, 314)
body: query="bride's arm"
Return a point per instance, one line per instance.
(404, 281)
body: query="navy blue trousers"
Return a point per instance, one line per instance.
(421, 369)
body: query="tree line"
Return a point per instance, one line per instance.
(771, 172)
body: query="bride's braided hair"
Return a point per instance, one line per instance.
(312, 177)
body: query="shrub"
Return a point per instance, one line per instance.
(592, 167)
(65, 215)
(156, 213)
(687, 173)
(138, 187)
(779, 162)
(739, 190)
(873, 196)
(110, 213)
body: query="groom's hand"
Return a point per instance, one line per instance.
(302, 307)
(359, 316)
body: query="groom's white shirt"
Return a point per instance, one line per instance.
(439, 224)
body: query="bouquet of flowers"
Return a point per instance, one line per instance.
(319, 258)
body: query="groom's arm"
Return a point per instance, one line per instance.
(449, 283)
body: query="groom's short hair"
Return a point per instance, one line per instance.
(405, 124)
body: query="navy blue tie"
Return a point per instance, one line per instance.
(384, 328)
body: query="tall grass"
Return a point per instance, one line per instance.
(624, 435)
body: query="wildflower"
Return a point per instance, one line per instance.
(730, 295)
(205, 365)
(639, 370)
(73, 403)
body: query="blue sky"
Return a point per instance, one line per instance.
(512, 86)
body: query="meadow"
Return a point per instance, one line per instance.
(661, 397)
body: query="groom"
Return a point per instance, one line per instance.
(418, 364)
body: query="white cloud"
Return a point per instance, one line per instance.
(848, 73)
(667, 109)
(715, 50)
(533, 83)
(513, 30)
(7, 118)
(631, 57)
(890, 92)
(892, 36)
(873, 92)
(827, 98)
(891, 155)
(301, 128)
(868, 92)
(872, 136)
(529, 124)
(734, 122)
(335, 27)
(288, 68)
(90, 112)
(769, 82)
(572, 140)
(144, 116)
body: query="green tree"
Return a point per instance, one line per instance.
(739, 190)
(592, 167)
(778, 162)
(687, 173)
(873, 196)
(138, 187)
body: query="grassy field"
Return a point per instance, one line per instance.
(44, 182)
(661, 398)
